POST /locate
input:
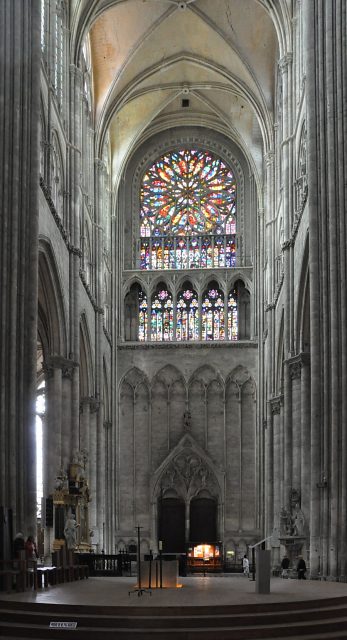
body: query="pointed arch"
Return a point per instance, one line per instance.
(86, 360)
(280, 358)
(303, 304)
(51, 304)
(57, 180)
(133, 449)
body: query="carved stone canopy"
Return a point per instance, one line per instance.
(187, 472)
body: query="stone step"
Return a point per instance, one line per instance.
(155, 621)
(302, 631)
(310, 620)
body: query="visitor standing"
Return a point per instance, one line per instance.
(245, 564)
(301, 568)
(285, 566)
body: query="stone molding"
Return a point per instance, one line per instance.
(107, 335)
(91, 297)
(187, 345)
(47, 193)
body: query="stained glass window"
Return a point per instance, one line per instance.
(212, 319)
(162, 316)
(188, 195)
(143, 317)
(187, 315)
(232, 316)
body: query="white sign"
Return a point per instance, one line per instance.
(62, 625)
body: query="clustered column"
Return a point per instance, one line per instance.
(326, 90)
(19, 173)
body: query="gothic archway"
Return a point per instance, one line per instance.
(187, 486)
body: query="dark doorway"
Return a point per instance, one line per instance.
(172, 525)
(203, 520)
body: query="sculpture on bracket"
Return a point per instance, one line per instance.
(71, 505)
(292, 526)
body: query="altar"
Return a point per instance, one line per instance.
(156, 574)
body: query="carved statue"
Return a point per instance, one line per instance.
(298, 520)
(70, 530)
(285, 522)
(203, 473)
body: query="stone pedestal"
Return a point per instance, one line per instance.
(293, 546)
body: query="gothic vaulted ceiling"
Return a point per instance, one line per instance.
(147, 56)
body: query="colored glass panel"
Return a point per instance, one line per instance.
(184, 195)
(181, 254)
(143, 317)
(219, 251)
(187, 316)
(157, 254)
(144, 255)
(188, 191)
(232, 316)
(230, 252)
(213, 315)
(162, 317)
(194, 253)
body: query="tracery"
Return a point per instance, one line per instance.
(188, 212)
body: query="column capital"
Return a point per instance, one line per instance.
(286, 244)
(276, 403)
(296, 364)
(100, 165)
(76, 73)
(269, 157)
(59, 362)
(91, 401)
(285, 62)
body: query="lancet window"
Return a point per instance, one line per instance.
(232, 315)
(185, 315)
(213, 314)
(162, 316)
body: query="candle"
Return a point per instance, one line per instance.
(160, 545)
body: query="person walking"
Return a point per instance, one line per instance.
(301, 568)
(245, 565)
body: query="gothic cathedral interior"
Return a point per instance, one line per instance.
(173, 275)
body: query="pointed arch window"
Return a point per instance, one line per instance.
(59, 51)
(212, 314)
(135, 314)
(143, 316)
(232, 315)
(188, 212)
(162, 316)
(187, 315)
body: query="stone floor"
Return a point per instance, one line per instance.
(197, 590)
